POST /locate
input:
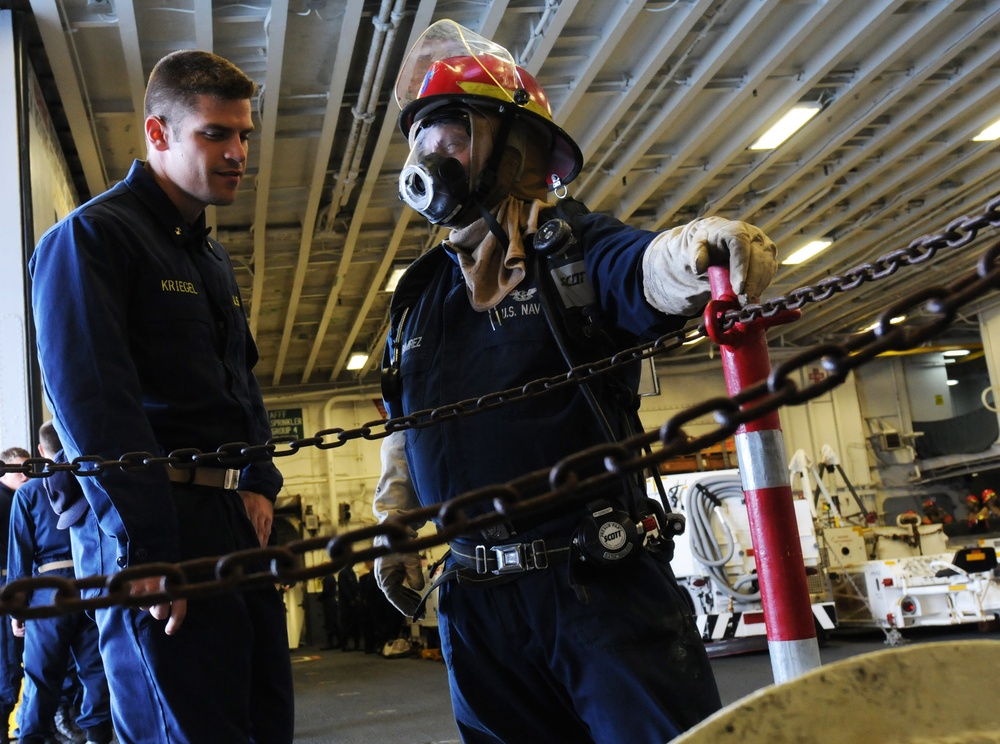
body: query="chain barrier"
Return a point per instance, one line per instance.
(541, 491)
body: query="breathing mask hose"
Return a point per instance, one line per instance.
(629, 421)
(563, 345)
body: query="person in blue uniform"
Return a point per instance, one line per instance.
(566, 626)
(144, 346)
(381, 622)
(39, 545)
(11, 647)
(331, 612)
(349, 609)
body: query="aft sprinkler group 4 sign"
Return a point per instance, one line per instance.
(287, 423)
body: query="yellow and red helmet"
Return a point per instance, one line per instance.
(988, 495)
(453, 66)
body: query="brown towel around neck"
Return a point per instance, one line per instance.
(490, 274)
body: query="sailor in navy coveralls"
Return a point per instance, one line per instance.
(145, 347)
(547, 637)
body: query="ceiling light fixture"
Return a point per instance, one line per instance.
(357, 359)
(807, 251)
(989, 134)
(952, 382)
(956, 352)
(892, 321)
(786, 126)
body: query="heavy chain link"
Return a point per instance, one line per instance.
(539, 492)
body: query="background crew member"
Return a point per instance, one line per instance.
(331, 612)
(39, 545)
(144, 346)
(11, 647)
(586, 641)
(349, 608)
(381, 622)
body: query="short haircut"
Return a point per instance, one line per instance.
(49, 438)
(14, 453)
(178, 78)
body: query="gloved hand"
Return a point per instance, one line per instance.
(675, 264)
(400, 576)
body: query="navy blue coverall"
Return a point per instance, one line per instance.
(37, 547)
(11, 647)
(144, 346)
(563, 654)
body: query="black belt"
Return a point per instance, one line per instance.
(512, 557)
(504, 562)
(227, 479)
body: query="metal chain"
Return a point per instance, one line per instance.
(958, 234)
(526, 496)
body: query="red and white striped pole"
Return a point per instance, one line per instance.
(760, 450)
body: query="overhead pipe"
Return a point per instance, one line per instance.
(386, 24)
(760, 451)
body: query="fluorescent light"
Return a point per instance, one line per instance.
(357, 360)
(807, 251)
(952, 382)
(892, 321)
(989, 134)
(786, 126)
(956, 352)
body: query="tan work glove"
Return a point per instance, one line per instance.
(675, 264)
(400, 576)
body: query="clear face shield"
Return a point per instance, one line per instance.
(440, 177)
(435, 181)
(448, 40)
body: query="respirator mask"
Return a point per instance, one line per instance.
(435, 179)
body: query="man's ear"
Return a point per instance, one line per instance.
(156, 132)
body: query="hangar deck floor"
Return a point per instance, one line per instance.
(354, 698)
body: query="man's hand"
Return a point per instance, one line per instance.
(400, 576)
(675, 264)
(17, 627)
(260, 511)
(750, 255)
(172, 611)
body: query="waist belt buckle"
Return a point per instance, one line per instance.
(516, 558)
(232, 480)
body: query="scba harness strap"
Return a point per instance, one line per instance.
(608, 534)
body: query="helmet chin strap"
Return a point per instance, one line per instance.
(495, 228)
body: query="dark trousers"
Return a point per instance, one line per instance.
(49, 644)
(225, 675)
(628, 663)
(11, 673)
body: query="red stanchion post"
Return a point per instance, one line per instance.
(760, 451)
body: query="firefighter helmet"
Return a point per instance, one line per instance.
(451, 65)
